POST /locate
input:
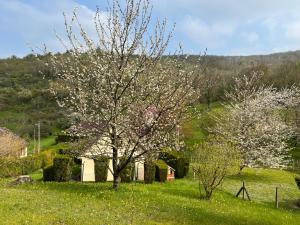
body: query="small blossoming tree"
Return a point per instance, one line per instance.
(212, 161)
(252, 121)
(121, 86)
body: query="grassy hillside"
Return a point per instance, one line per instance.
(161, 203)
(25, 99)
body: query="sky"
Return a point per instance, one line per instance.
(223, 27)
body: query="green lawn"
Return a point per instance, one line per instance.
(45, 143)
(167, 203)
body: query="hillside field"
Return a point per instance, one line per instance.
(160, 203)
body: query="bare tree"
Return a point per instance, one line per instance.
(128, 96)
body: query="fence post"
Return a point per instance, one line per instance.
(276, 198)
(243, 190)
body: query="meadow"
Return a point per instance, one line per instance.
(174, 202)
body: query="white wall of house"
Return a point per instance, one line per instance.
(139, 171)
(87, 170)
(110, 176)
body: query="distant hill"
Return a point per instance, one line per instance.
(25, 100)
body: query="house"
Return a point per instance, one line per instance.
(102, 147)
(88, 170)
(11, 144)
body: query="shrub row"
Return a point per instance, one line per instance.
(177, 161)
(61, 170)
(149, 172)
(297, 180)
(127, 173)
(161, 171)
(65, 138)
(11, 166)
(101, 169)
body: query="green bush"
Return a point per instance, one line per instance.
(11, 166)
(49, 173)
(65, 138)
(30, 164)
(297, 180)
(161, 171)
(101, 169)
(149, 172)
(62, 168)
(47, 158)
(127, 173)
(177, 161)
(76, 172)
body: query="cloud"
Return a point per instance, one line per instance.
(293, 30)
(227, 26)
(33, 22)
(222, 26)
(250, 36)
(200, 32)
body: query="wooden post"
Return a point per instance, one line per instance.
(276, 198)
(34, 142)
(39, 137)
(243, 190)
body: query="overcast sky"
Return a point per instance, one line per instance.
(224, 27)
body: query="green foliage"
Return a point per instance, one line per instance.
(101, 168)
(177, 161)
(76, 172)
(297, 180)
(212, 161)
(31, 163)
(62, 168)
(49, 173)
(149, 172)
(161, 171)
(65, 138)
(47, 158)
(127, 173)
(25, 99)
(11, 166)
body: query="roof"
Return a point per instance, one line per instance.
(6, 131)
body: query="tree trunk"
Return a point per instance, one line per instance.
(117, 180)
(240, 170)
(208, 195)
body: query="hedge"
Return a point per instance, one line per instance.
(161, 171)
(47, 158)
(177, 161)
(65, 138)
(63, 166)
(297, 180)
(149, 172)
(49, 173)
(127, 173)
(76, 172)
(101, 169)
(11, 166)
